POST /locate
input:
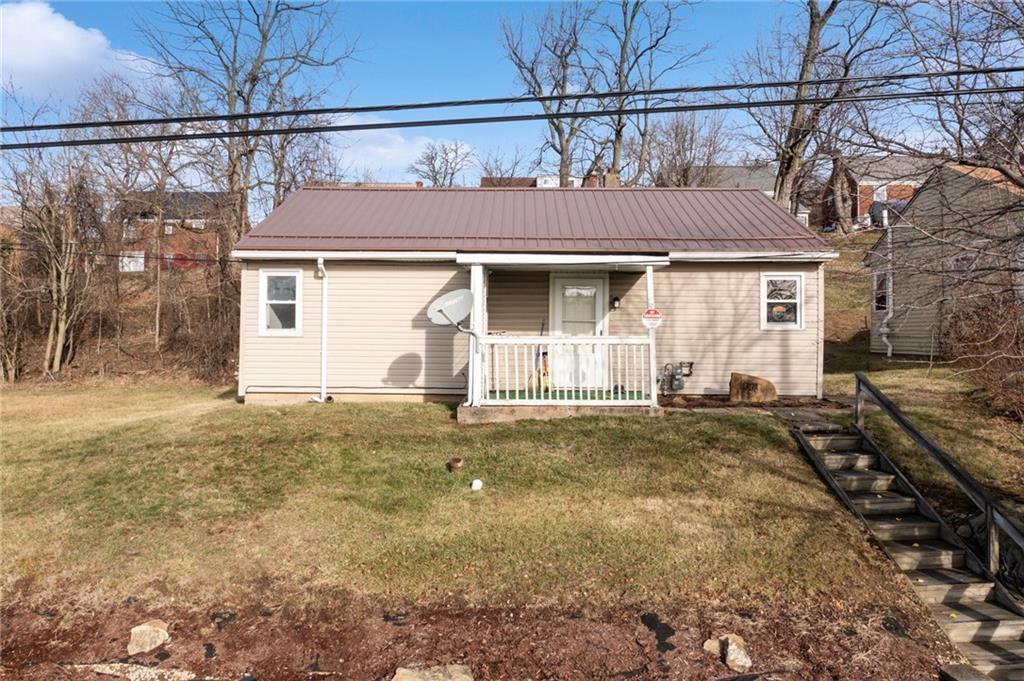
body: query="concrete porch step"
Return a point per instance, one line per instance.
(988, 656)
(863, 481)
(898, 527)
(924, 554)
(949, 585)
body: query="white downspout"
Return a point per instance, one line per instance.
(889, 306)
(323, 330)
(652, 359)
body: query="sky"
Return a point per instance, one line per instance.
(406, 52)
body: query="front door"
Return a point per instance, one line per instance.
(578, 310)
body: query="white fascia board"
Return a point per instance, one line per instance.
(422, 256)
(752, 256)
(558, 259)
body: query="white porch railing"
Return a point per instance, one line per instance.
(579, 370)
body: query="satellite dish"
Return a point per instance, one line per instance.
(451, 308)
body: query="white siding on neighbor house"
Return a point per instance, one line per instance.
(378, 337)
(380, 341)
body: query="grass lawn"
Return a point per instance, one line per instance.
(168, 490)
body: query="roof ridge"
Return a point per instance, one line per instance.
(529, 189)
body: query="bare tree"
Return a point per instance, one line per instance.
(550, 58)
(839, 39)
(634, 48)
(501, 166)
(441, 163)
(685, 148)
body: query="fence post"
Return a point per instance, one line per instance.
(858, 405)
(992, 540)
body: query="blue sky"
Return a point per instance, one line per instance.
(407, 52)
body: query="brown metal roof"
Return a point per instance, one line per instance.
(645, 220)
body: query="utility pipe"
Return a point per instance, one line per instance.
(889, 308)
(323, 330)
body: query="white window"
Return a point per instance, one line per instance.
(280, 303)
(168, 226)
(782, 301)
(881, 193)
(132, 261)
(880, 291)
(197, 225)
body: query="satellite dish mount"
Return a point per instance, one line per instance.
(451, 309)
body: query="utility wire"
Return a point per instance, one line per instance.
(380, 108)
(510, 118)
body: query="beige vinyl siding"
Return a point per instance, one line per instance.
(378, 336)
(712, 318)
(517, 302)
(380, 341)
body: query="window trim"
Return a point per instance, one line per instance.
(262, 311)
(880, 284)
(132, 256)
(800, 301)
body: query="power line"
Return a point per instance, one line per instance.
(509, 118)
(491, 101)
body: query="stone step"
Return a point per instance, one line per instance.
(864, 481)
(1009, 672)
(841, 461)
(978, 621)
(924, 554)
(874, 503)
(988, 656)
(836, 443)
(909, 526)
(949, 585)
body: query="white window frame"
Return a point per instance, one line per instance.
(880, 284)
(262, 314)
(763, 302)
(880, 193)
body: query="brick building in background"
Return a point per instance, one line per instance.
(175, 230)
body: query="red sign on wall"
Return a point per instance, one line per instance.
(651, 317)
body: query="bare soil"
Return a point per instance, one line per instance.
(342, 638)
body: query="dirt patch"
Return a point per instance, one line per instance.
(721, 401)
(345, 640)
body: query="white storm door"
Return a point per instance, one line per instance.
(578, 311)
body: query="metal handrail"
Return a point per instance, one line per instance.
(996, 516)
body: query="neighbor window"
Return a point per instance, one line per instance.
(132, 261)
(880, 291)
(280, 302)
(782, 305)
(881, 193)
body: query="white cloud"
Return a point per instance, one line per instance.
(382, 154)
(43, 54)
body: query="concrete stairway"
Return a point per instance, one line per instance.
(943, 571)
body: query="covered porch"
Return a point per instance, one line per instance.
(562, 330)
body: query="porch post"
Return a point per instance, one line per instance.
(476, 325)
(652, 359)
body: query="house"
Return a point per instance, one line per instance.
(175, 229)
(961, 229)
(759, 176)
(883, 181)
(336, 285)
(540, 181)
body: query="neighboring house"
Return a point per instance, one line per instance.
(336, 284)
(540, 181)
(180, 225)
(961, 223)
(760, 177)
(883, 180)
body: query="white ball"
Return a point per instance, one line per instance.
(477, 485)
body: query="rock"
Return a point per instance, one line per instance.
(713, 646)
(448, 672)
(136, 672)
(747, 388)
(148, 636)
(734, 653)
